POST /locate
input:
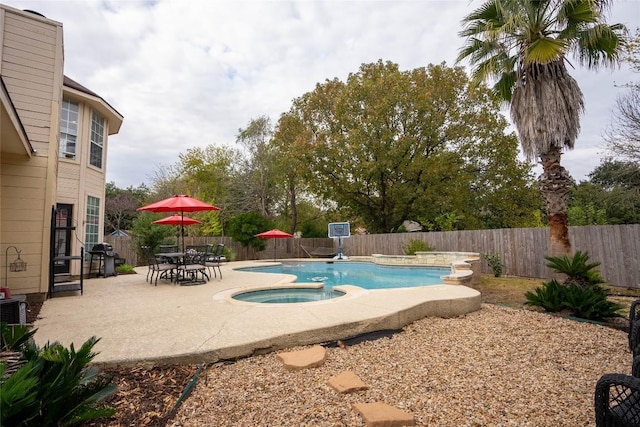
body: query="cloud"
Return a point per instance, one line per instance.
(188, 74)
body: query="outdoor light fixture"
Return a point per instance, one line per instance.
(16, 266)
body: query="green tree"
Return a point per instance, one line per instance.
(208, 174)
(258, 166)
(145, 233)
(288, 136)
(244, 227)
(524, 44)
(388, 145)
(121, 205)
(611, 196)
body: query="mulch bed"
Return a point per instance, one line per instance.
(145, 397)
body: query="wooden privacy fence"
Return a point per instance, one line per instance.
(616, 247)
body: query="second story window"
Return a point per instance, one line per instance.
(97, 139)
(68, 129)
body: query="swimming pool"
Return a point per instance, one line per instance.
(363, 274)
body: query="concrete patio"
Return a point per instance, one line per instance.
(140, 323)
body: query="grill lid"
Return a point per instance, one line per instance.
(101, 248)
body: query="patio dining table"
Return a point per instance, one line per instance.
(187, 268)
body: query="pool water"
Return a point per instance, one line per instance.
(288, 295)
(363, 274)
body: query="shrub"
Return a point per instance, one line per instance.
(55, 387)
(577, 269)
(495, 262)
(550, 296)
(415, 245)
(125, 269)
(581, 293)
(15, 337)
(229, 254)
(590, 303)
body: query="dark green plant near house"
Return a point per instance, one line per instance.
(15, 337)
(581, 293)
(55, 387)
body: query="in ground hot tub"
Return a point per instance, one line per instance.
(288, 295)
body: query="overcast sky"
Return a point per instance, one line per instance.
(187, 73)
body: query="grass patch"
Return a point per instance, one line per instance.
(510, 290)
(505, 290)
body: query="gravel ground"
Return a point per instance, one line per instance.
(494, 367)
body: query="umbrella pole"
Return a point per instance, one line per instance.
(182, 227)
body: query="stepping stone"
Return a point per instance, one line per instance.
(309, 358)
(380, 414)
(347, 382)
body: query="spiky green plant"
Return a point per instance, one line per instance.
(590, 302)
(550, 296)
(65, 388)
(14, 337)
(577, 268)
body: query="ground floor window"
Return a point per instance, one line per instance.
(92, 225)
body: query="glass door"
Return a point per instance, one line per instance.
(62, 237)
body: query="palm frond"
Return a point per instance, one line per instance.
(504, 86)
(545, 50)
(600, 45)
(577, 12)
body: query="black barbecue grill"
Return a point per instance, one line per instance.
(106, 257)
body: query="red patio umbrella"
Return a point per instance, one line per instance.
(179, 203)
(274, 234)
(177, 220)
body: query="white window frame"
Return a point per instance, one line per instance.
(69, 118)
(96, 150)
(92, 223)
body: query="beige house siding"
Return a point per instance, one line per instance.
(31, 66)
(22, 216)
(33, 178)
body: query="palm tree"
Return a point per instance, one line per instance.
(523, 45)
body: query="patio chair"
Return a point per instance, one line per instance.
(214, 259)
(159, 267)
(192, 270)
(164, 249)
(617, 399)
(634, 320)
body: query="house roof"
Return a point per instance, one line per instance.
(14, 136)
(96, 101)
(74, 84)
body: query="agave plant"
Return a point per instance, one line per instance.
(577, 269)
